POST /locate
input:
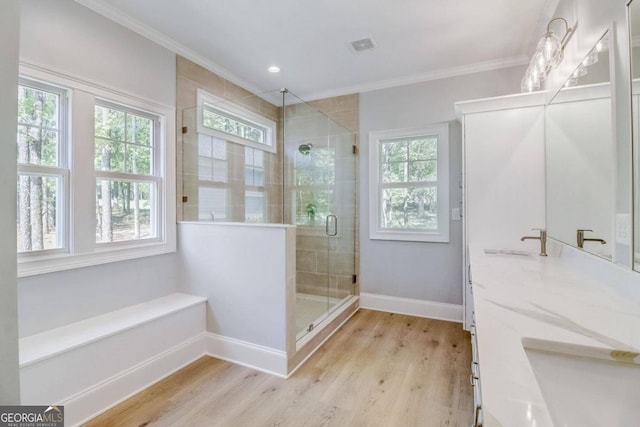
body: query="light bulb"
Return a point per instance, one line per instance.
(579, 72)
(591, 59)
(538, 65)
(549, 45)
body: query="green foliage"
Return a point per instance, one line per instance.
(315, 179)
(37, 140)
(412, 162)
(233, 126)
(38, 127)
(127, 138)
(409, 160)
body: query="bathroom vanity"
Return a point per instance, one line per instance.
(555, 339)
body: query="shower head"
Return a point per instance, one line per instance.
(305, 149)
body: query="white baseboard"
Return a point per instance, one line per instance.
(89, 403)
(412, 307)
(243, 353)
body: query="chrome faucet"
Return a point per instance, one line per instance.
(542, 237)
(581, 239)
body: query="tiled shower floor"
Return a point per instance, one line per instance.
(309, 308)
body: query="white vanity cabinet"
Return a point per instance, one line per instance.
(503, 176)
(503, 188)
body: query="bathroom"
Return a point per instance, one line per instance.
(274, 258)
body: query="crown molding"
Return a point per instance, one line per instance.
(422, 77)
(103, 8)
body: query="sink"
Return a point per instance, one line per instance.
(505, 252)
(586, 386)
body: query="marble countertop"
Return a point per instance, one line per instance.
(571, 297)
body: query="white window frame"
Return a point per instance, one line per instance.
(376, 232)
(212, 103)
(155, 178)
(61, 170)
(83, 251)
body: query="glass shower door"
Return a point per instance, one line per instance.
(341, 222)
(322, 182)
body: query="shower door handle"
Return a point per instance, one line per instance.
(331, 219)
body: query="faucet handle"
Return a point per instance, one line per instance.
(584, 229)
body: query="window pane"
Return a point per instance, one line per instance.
(124, 141)
(109, 155)
(38, 126)
(37, 146)
(410, 208)
(212, 164)
(37, 213)
(212, 204)
(109, 123)
(394, 172)
(312, 206)
(423, 171)
(315, 168)
(423, 149)
(38, 108)
(139, 129)
(138, 159)
(394, 151)
(232, 125)
(254, 206)
(124, 210)
(254, 167)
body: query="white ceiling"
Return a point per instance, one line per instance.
(416, 40)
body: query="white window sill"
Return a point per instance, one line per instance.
(410, 236)
(32, 265)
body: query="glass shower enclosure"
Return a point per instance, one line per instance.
(273, 158)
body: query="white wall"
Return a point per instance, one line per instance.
(423, 271)
(9, 33)
(247, 274)
(66, 37)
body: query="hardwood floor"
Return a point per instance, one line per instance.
(379, 369)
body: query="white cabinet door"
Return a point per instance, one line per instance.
(504, 184)
(505, 181)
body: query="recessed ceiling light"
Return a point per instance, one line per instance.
(274, 69)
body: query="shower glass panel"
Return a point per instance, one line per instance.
(275, 159)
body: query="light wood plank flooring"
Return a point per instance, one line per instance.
(379, 369)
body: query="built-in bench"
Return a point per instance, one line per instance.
(91, 365)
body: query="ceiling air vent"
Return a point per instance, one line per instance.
(362, 44)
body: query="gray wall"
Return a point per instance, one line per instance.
(65, 36)
(9, 33)
(419, 270)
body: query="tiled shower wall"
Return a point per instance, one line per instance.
(315, 253)
(190, 78)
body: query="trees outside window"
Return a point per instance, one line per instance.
(95, 177)
(409, 184)
(42, 166)
(126, 177)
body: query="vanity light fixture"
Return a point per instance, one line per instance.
(549, 53)
(274, 69)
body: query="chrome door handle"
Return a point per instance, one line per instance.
(331, 219)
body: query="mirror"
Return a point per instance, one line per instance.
(634, 29)
(580, 157)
